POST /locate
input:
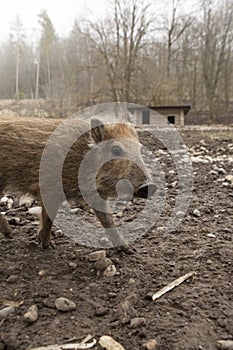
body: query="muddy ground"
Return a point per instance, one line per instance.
(193, 316)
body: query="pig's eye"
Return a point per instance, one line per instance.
(117, 151)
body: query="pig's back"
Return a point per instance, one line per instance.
(22, 141)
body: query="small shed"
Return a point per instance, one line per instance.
(159, 115)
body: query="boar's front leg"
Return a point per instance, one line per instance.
(107, 222)
(44, 235)
(5, 227)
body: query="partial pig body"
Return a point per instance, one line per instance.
(22, 142)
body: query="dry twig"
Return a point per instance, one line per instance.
(172, 285)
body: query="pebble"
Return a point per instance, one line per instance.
(197, 213)
(137, 322)
(101, 311)
(35, 210)
(31, 315)
(150, 344)
(73, 265)
(110, 271)
(104, 241)
(42, 273)
(5, 312)
(100, 254)
(211, 235)
(225, 344)
(229, 178)
(102, 264)
(112, 295)
(214, 172)
(74, 210)
(64, 304)
(120, 214)
(109, 343)
(12, 279)
(132, 281)
(222, 171)
(161, 229)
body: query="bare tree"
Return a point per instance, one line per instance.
(217, 26)
(17, 37)
(120, 40)
(48, 37)
(175, 28)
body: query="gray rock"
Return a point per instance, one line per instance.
(197, 213)
(5, 312)
(31, 315)
(12, 279)
(100, 254)
(222, 171)
(64, 304)
(137, 322)
(110, 271)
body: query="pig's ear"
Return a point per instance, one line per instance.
(97, 130)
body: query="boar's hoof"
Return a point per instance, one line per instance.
(45, 242)
(126, 249)
(146, 190)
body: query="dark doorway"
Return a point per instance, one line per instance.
(145, 116)
(171, 119)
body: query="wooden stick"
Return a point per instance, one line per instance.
(225, 344)
(172, 285)
(76, 346)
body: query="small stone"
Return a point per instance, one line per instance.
(132, 281)
(229, 178)
(104, 241)
(211, 235)
(73, 265)
(74, 210)
(42, 273)
(112, 295)
(35, 210)
(12, 279)
(59, 233)
(101, 311)
(110, 271)
(213, 172)
(161, 229)
(100, 254)
(197, 213)
(64, 304)
(137, 322)
(5, 312)
(150, 344)
(222, 171)
(109, 343)
(102, 264)
(31, 315)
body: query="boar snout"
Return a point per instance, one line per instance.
(146, 190)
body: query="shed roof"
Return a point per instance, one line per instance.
(185, 108)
